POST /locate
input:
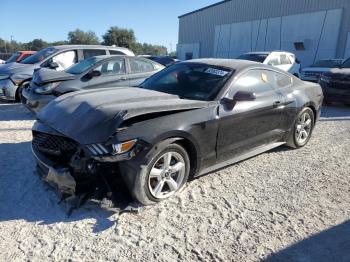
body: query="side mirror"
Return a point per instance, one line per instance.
(53, 65)
(244, 96)
(94, 73)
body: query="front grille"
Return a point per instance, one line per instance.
(53, 145)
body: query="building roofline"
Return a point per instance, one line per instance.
(204, 8)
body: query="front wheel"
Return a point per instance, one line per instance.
(302, 130)
(166, 173)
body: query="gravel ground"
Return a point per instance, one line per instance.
(283, 205)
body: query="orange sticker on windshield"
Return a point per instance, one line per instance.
(264, 77)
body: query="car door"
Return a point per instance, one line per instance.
(112, 74)
(139, 70)
(251, 123)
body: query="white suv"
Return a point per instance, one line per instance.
(280, 59)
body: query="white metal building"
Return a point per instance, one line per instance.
(312, 29)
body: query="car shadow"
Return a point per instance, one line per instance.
(14, 111)
(330, 245)
(23, 196)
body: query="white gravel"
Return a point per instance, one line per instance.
(284, 205)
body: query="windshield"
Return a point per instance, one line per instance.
(327, 63)
(39, 56)
(253, 57)
(13, 58)
(191, 81)
(83, 65)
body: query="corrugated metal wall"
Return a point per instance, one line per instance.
(199, 27)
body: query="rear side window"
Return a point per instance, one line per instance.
(115, 52)
(140, 66)
(282, 80)
(115, 66)
(93, 52)
(255, 81)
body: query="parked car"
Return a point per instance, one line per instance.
(184, 121)
(163, 60)
(336, 84)
(282, 60)
(313, 72)
(94, 72)
(13, 76)
(19, 56)
(2, 62)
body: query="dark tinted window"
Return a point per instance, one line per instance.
(255, 81)
(39, 56)
(115, 66)
(191, 81)
(83, 66)
(93, 52)
(13, 58)
(140, 66)
(254, 57)
(116, 52)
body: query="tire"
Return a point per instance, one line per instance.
(302, 129)
(156, 182)
(19, 91)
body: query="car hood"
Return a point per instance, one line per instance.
(44, 75)
(93, 116)
(14, 68)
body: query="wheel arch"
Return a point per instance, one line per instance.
(187, 141)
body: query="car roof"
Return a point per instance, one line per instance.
(27, 52)
(229, 63)
(60, 47)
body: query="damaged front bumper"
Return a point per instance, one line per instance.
(59, 178)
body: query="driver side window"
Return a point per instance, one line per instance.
(63, 60)
(254, 81)
(274, 61)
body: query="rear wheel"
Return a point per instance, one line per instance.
(302, 129)
(166, 174)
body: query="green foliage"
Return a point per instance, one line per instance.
(80, 37)
(114, 36)
(119, 37)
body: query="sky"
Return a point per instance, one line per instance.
(153, 21)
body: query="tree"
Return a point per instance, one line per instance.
(119, 37)
(36, 45)
(80, 37)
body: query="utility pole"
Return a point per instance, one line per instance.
(11, 43)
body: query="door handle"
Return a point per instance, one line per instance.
(277, 104)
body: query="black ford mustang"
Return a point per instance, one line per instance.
(187, 120)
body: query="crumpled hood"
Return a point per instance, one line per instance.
(93, 116)
(44, 75)
(14, 68)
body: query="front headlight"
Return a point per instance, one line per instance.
(47, 89)
(123, 147)
(114, 149)
(325, 79)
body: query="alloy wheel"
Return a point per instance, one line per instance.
(303, 128)
(166, 175)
